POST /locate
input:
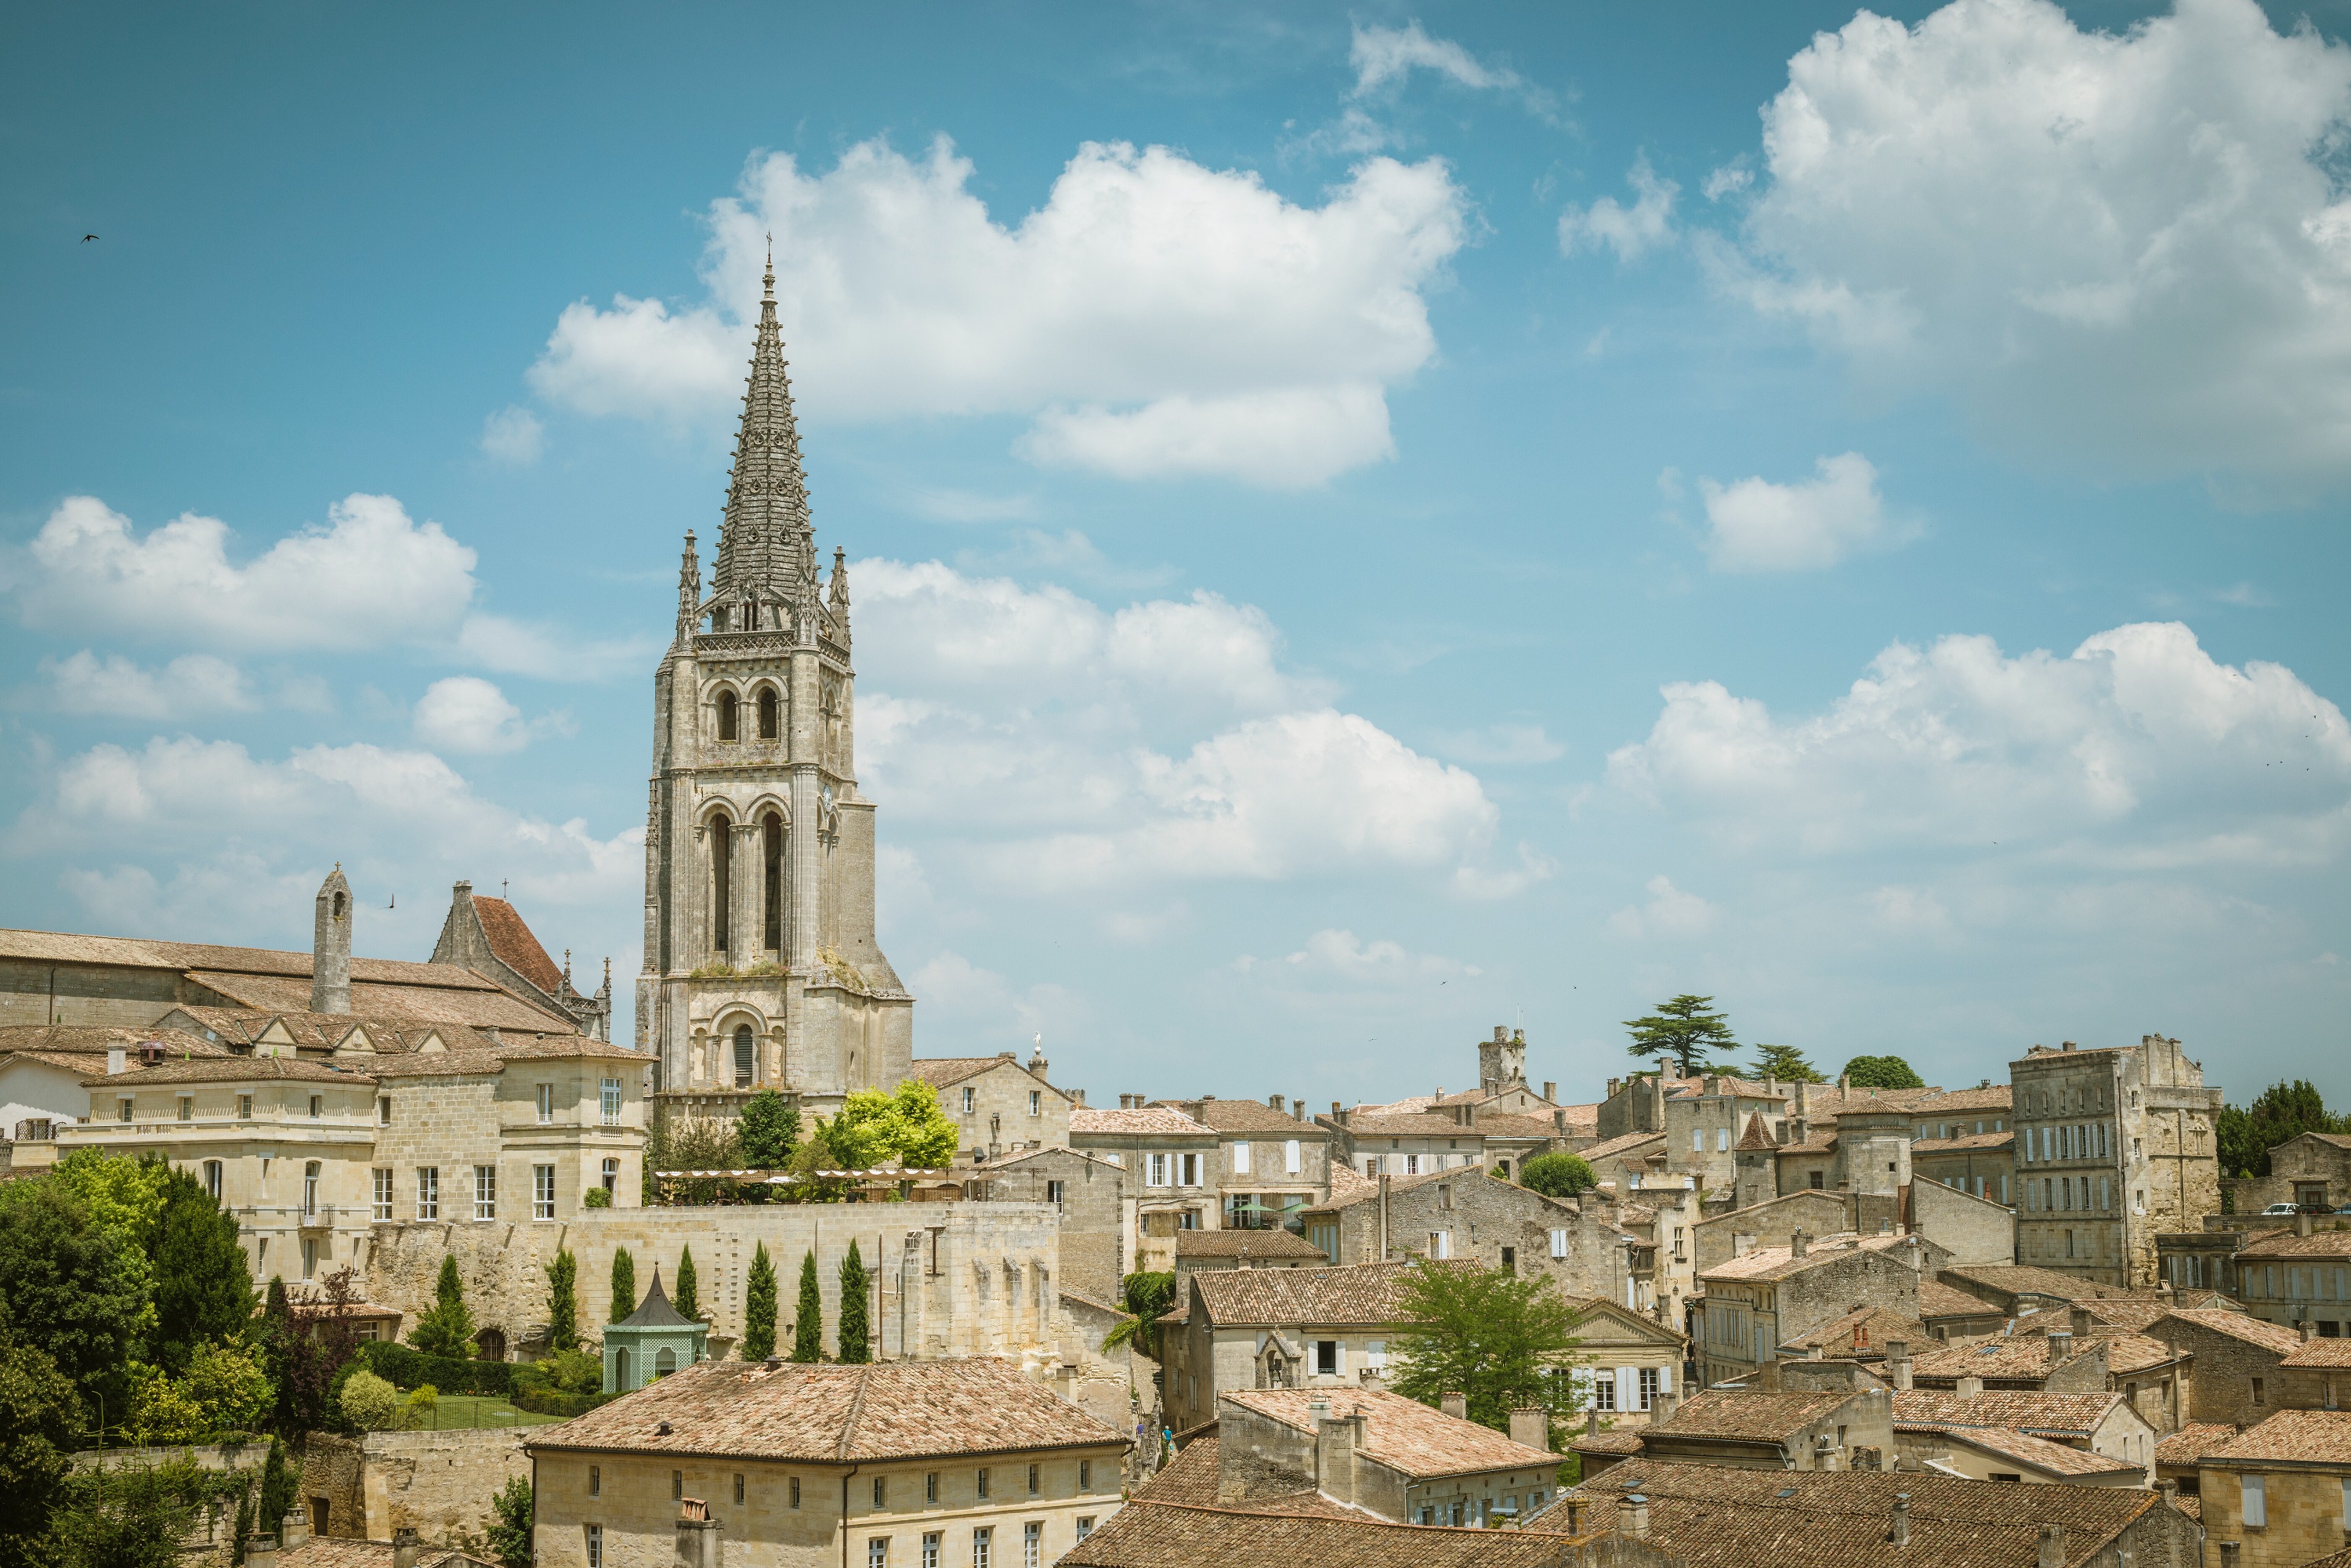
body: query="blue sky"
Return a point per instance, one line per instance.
(1364, 524)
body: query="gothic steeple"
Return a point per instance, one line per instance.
(689, 591)
(766, 547)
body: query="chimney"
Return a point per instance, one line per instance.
(2052, 1551)
(1798, 1241)
(2301, 1226)
(1844, 1085)
(1575, 1506)
(1968, 1387)
(403, 1547)
(1635, 1516)
(330, 945)
(698, 1535)
(1550, 1091)
(2309, 1330)
(1614, 1084)
(1455, 1404)
(1591, 1422)
(1334, 1456)
(1530, 1428)
(1276, 1101)
(1078, 1098)
(2061, 1346)
(118, 1057)
(1900, 1534)
(1740, 1244)
(1897, 1361)
(1297, 1106)
(1769, 1378)
(294, 1529)
(261, 1552)
(1662, 1405)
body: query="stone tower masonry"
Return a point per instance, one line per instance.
(760, 967)
(330, 945)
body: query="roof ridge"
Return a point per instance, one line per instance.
(856, 1409)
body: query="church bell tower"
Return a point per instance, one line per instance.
(760, 969)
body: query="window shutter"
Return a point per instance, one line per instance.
(1665, 1378)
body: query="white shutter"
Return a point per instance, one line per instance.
(1241, 1157)
(1340, 1350)
(1628, 1388)
(2254, 1490)
(1665, 1378)
(1290, 1157)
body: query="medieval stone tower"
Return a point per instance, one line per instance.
(761, 969)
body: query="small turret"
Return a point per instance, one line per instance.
(330, 945)
(689, 591)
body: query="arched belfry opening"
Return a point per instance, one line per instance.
(747, 1055)
(729, 720)
(771, 857)
(722, 841)
(770, 714)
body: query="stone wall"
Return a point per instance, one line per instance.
(1768, 1225)
(1479, 1218)
(2227, 1371)
(1972, 1229)
(439, 1484)
(1092, 1213)
(2304, 1505)
(951, 1278)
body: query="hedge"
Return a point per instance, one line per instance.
(553, 1403)
(409, 1368)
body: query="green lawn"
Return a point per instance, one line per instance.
(454, 1411)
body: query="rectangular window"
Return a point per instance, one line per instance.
(1085, 1475)
(188, 1107)
(968, 1100)
(982, 1539)
(877, 1552)
(595, 1480)
(611, 1177)
(609, 1100)
(595, 1546)
(1326, 1358)
(1157, 1176)
(244, 1107)
(1603, 1391)
(309, 1258)
(1721, 1140)
(428, 1192)
(1290, 1157)
(1191, 1169)
(1033, 1480)
(1412, 1164)
(1057, 1193)
(1649, 1387)
(2255, 1491)
(931, 1487)
(881, 1491)
(980, 1485)
(739, 1486)
(545, 1104)
(213, 1180)
(317, 1106)
(1036, 1102)
(123, 1107)
(542, 1192)
(485, 1192)
(1085, 1526)
(2257, 1391)
(1033, 1544)
(1240, 1159)
(930, 1549)
(796, 1491)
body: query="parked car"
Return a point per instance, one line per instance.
(2283, 1209)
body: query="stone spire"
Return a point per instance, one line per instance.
(766, 547)
(689, 590)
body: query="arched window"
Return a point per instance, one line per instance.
(338, 906)
(665, 1361)
(728, 728)
(722, 844)
(621, 1369)
(769, 713)
(771, 848)
(747, 1055)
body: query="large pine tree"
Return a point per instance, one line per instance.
(759, 1308)
(202, 1288)
(807, 1321)
(1684, 1030)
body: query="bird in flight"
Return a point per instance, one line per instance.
(87, 238)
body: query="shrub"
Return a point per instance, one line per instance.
(1556, 1174)
(370, 1403)
(417, 1411)
(596, 1197)
(408, 1368)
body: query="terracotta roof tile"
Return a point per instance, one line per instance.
(1087, 1121)
(1966, 1143)
(1274, 1244)
(1146, 1534)
(2056, 1458)
(892, 1410)
(2025, 1410)
(95, 1039)
(476, 1003)
(516, 947)
(1422, 1125)
(1955, 1101)
(1937, 1300)
(1368, 1293)
(2284, 1245)
(1996, 1355)
(2236, 1325)
(229, 1069)
(2321, 1352)
(1779, 1262)
(1740, 1414)
(1401, 1434)
(1246, 1116)
(2025, 1279)
(2308, 1436)
(1866, 1329)
(938, 1072)
(2192, 1442)
(1616, 1147)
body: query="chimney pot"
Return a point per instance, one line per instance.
(1455, 1404)
(1969, 1387)
(118, 1059)
(1798, 1242)
(1550, 1089)
(2052, 1547)
(2301, 1226)
(1900, 1535)
(2309, 1330)
(2061, 1345)
(1531, 1426)
(1636, 1516)
(1276, 1101)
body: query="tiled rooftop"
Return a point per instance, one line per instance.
(511, 940)
(2321, 1352)
(53, 1040)
(1937, 1300)
(1362, 1294)
(2307, 1436)
(1267, 1244)
(227, 1069)
(1749, 1417)
(1401, 1434)
(2025, 1279)
(1091, 1121)
(1246, 1117)
(1148, 1534)
(1865, 1328)
(822, 1414)
(2284, 1246)
(1623, 1143)
(2025, 1410)
(938, 1072)
(2055, 1459)
(2192, 1442)
(1779, 1262)
(2236, 1325)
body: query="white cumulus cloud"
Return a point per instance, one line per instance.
(2120, 251)
(1152, 316)
(469, 714)
(514, 435)
(1631, 232)
(1757, 524)
(190, 686)
(1669, 912)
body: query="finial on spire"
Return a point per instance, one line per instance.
(770, 281)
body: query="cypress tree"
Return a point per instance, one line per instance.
(563, 1301)
(854, 1328)
(624, 1286)
(759, 1308)
(808, 1323)
(688, 1303)
(280, 1483)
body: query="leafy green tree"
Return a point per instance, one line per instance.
(1147, 1296)
(67, 1289)
(874, 1128)
(690, 1144)
(768, 1130)
(1497, 1338)
(203, 1288)
(563, 1301)
(371, 1403)
(123, 1198)
(448, 1327)
(1786, 1064)
(41, 1424)
(509, 1530)
(227, 1386)
(689, 1293)
(855, 1332)
(1684, 1030)
(2246, 1135)
(1557, 1175)
(128, 1518)
(625, 1287)
(807, 1319)
(759, 1306)
(1882, 1072)
(281, 1482)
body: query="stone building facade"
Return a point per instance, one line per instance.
(998, 1107)
(2238, 1378)
(2279, 1495)
(2300, 1275)
(760, 964)
(1468, 1216)
(2113, 1146)
(1279, 1328)
(1088, 1195)
(487, 936)
(1763, 1299)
